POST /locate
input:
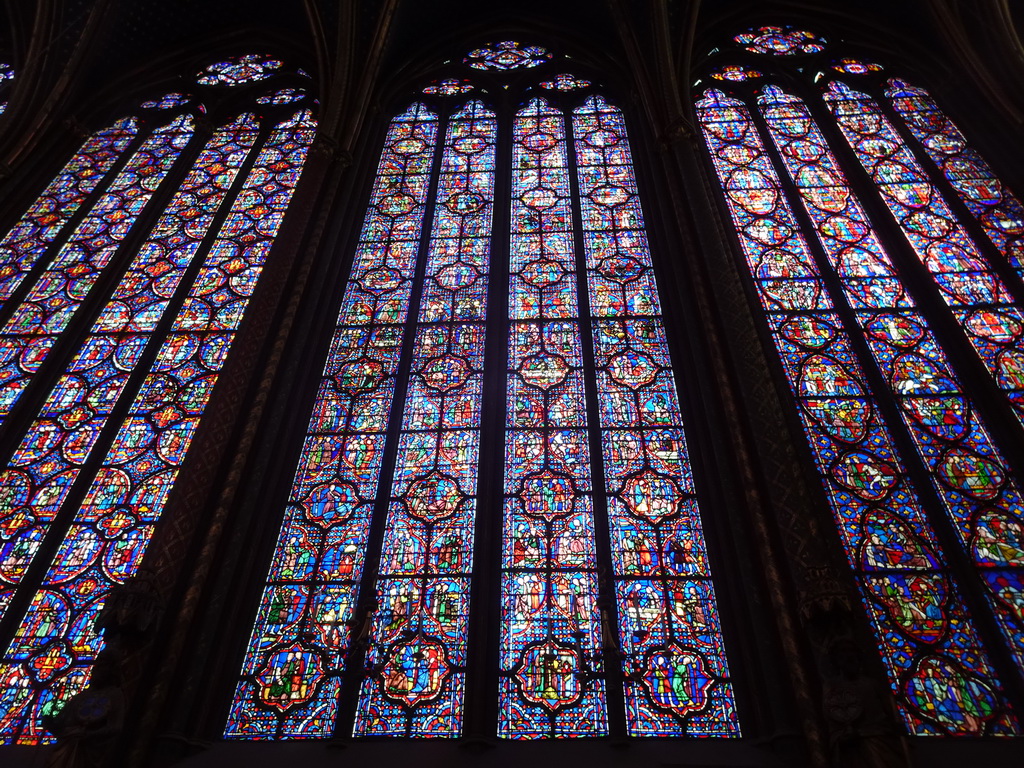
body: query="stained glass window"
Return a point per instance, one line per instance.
(735, 73)
(82, 490)
(168, 101)
(848, 306)
(995, 207)
(602, 584)
(855, 67)
(565, 82)
(283, 96)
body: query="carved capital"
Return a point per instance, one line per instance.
(327, 148)
(678, 129)
(73, 126)
(131, 609)
(863, 728)
(821, 591)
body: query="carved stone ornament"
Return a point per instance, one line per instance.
(131, 609)
(858, 710)
(88, 724)
(328, 148)
(678, 129)
(90, 721)
(821, 591)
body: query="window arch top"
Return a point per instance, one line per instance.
(510, 73)
(780, 41)
(507, 55)
(239, 70)
(856, 67)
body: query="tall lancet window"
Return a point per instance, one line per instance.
(552, 569)
(886, 257)
(124, 286)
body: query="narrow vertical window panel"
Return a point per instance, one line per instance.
(292, 671)
(418, 646)
(551, 669)
(978, 298)
(103, 548)
(996, 208)
(676, 675)
(22, 247)
(940, 672)
(966, 467)
(33, 329)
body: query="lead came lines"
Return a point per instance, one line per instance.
(977, 297)
(966, 467)
(62, 436)
(39, 227)
(60, 290)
